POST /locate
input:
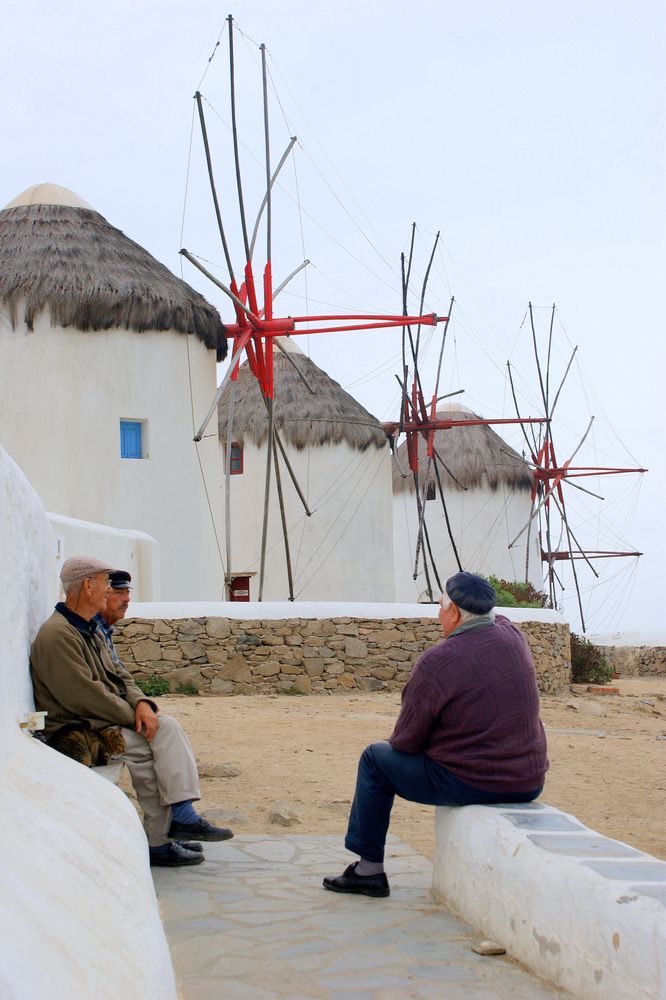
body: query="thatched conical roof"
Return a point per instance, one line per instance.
(477, 456)
(59, 254)
(329, 415)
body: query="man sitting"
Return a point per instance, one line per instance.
(117, 603)
(79, 680)
(468, 731)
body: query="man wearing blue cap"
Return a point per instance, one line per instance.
(468, 731)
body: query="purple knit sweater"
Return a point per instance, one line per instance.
(472, 704)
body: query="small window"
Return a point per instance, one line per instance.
(132, 439)
(236, 463)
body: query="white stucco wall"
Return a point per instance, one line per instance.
(64, 393)
(579, 909)
(483, 523)
(344, 551)
(133, 551)
(329, 609)
(78, 914)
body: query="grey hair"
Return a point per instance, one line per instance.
(465, 616)
(73, 587)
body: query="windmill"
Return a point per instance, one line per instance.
(256, 329)
(551, 477)
(419, 421)
(257, 326)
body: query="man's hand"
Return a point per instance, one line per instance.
(146, 720)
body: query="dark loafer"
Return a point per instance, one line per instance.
(175, 857)
(201, 830)
(361, 885)
(191, 845)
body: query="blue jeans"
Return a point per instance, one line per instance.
(384, 773)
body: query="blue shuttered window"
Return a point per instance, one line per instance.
(130, 439)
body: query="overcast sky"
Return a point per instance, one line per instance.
(530, 135)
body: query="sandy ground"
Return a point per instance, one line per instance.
(606, 753)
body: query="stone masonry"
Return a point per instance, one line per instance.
(637, 661)
(227, 656)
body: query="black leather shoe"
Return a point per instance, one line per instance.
(362, 885)
(201, 830)
(191, 845)
(176, 856)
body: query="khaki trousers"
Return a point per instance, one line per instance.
(162, 772)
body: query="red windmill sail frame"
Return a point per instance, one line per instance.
(549, 476)
(415, 425)
(254, 332)
(255, 328)
(417, 419)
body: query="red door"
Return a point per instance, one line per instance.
(239, 588)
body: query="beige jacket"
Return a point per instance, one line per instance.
(76, 681)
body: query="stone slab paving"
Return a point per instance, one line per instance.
(253, 923)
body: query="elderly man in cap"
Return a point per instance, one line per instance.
(117, 603)
(468, 731)
(79, 680)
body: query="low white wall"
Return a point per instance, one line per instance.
(637, 638)
(78, 914)
(134, 551)
(314, 609)
(581, 910)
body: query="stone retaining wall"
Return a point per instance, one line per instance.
(637, 661)
(304, 655)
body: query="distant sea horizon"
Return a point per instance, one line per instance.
(629, 637)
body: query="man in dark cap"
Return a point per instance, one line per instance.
(80, 682)
(117, 603)
(468, 731)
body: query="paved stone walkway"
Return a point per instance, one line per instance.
(253, 923)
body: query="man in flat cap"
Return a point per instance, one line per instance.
(79, 680)
(468, 731)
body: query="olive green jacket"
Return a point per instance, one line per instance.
(76, 681)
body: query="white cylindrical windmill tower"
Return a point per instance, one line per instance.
(487, 487)
(340, 457)
(107, 363)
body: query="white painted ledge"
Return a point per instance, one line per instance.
(112, 771)
(278, 610)
(579, 909)
(78, 914)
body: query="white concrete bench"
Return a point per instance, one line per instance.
(581, 910)
(111, 771)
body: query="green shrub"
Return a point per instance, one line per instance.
(517, 594)
(588, 662)
(186, 687)
(154, 686)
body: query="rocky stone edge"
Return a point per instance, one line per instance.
(225, 656)
(637, 661)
